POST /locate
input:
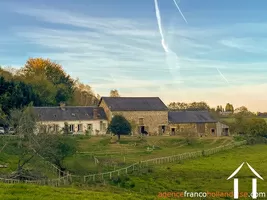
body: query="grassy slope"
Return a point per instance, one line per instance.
(202, 174)
(206, 174)
(132, 149)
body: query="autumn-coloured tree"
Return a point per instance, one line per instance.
(83, 95)
(49, 80)
(114, 93)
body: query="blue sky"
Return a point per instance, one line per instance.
(219, 56)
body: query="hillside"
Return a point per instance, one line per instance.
(205, 174)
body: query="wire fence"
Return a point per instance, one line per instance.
(67, 178)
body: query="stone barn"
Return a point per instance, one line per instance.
(199, 122)
(146, 114)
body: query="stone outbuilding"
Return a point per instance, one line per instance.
(199, 122)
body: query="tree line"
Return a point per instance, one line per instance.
(200, 106)
(42, 83)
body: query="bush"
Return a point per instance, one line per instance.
(251, 140)
(123, 181)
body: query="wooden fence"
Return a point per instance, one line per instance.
(68, 178)
(9, 137)
(53, 168)
(65, 180)
(161, 160)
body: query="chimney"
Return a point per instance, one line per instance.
(62, 105)
(95, 113)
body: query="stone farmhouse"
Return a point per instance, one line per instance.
(147, 115)
(80, 119)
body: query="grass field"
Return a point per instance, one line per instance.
(110, 154)
(205, 174)
(130, 150)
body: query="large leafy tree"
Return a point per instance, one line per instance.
(119, 126)
(49, 80)
(16, 94)
(83, 95)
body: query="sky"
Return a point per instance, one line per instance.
(219, 56)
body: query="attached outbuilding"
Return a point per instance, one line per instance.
(199, 122)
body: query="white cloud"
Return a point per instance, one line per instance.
(96, 49)
(250, 45)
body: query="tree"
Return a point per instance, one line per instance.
(189, 106)
(83, 95)
(49, 80)
(29, 145)
(119, 126)
(3, 117)
(256, 127)
(16, 94)
(243, 111)
(54, 148)
(57, 149)
(114, 93)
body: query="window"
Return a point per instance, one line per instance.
(212, 131)
(89, 126)
(141, 121)
(71, 127)
(56, 128)
(80, 127)
(102, 126)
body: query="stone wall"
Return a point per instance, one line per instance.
(192, 127)
(106, 109)
(208, 127)
(184, 127)
(151, 119)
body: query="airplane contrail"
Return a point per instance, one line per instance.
(222, 75)
(180, 11)
(165, 47)
(171, 57)
(176, 4)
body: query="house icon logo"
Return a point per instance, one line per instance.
(254, 181)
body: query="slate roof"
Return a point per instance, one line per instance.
(134, 103)
(190, 117)
(71, 113)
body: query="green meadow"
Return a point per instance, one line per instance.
(204, 174)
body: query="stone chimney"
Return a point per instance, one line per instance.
(62, 105)
(95, 113)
